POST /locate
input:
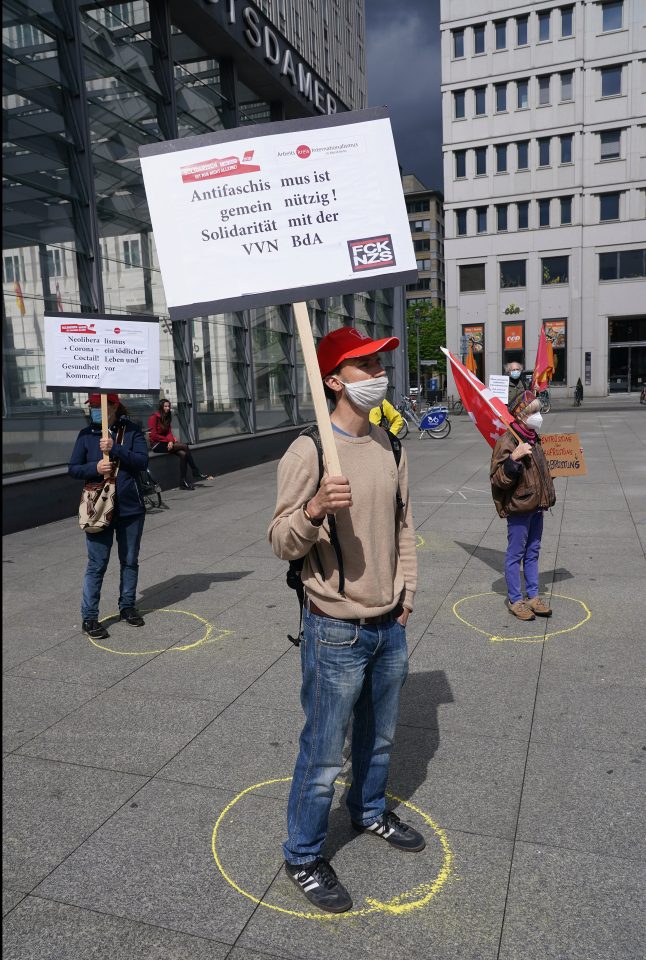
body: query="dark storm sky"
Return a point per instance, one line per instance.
(404, 73)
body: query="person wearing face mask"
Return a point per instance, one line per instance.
(126, 446)
(353, 651)
(517, 383)
(522, 490)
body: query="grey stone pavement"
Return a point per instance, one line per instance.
(145, 784)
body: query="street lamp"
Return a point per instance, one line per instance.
(417, 319)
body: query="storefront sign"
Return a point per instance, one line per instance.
(100, 352)
(499, 386)
(514, 336)
(278, 213)
(564, 454)
(476, 335)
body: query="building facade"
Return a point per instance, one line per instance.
(545, 186)
(85, 85)
(426, 217)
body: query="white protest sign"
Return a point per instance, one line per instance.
(499, 386)
(278, 212)
(101, 352)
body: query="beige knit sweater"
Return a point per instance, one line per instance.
(377, 541)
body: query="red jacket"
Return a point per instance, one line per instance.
(159, 433)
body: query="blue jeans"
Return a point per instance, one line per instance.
(99, 545)
(346, 669)
(524, 532)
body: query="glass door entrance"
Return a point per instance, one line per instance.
(626, 354)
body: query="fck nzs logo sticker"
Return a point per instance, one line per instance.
(371, 253)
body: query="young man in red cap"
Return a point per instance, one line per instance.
(353, 651)
(126, 445)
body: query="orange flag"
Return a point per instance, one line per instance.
(20, 300)
(470, 362)
(544, 366)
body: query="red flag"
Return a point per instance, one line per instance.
(59, 299)
(544, 366)
(488, 412)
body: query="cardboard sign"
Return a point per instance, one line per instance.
(101, 352)
(564, 454)
(499, 386)
(278, 213)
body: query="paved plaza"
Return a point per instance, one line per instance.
(145, 780)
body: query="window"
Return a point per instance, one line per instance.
(512, 273)
(131, 253)
(543, 213)
(611, 81)
(422, 245)
(521, 31)
(523, 214)
(458, 104)
(543, 151)
(501, 97)
(423, 264)
(458, 43)
(544, 25)
(12, 270)
(481, 219)
(55, 262)
(567, 21)
(481, 100)
(481, 161)
(609, 206)
(554, 270)
(522, 94)
(522, 151)
(610, 144)
(460, 163)
(612, 15)
(501, 158)
(555, 331)
(501, 34)
(567, 85)
(421, 226)
(472, 277)
(479, 38)
(543, 91)
(461, 223)
(501, 217)
(566, 210)
(622, 265)
(417, 206)
(566, 147)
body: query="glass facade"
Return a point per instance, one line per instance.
(85, 86)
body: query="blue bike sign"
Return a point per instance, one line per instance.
(433, 419)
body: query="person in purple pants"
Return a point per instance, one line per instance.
(522, 490)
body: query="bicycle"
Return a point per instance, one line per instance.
(546, 403)
(455, 406)
(435, 422)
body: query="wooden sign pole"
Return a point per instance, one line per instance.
(330, 453)
(104, 423)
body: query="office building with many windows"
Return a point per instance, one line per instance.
(426, 217)
(85, 85)
(545, 186)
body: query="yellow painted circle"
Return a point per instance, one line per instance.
(533, 638)
(403, 903)
(207, 638)
(420, 541)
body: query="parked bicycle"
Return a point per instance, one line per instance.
(546, 403)
(455, 405)
(434, 423)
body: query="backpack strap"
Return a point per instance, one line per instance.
(313, 433)
(396, 446)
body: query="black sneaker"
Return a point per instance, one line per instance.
(320, 884)
(95, 630)
(391, 829)
(185, 485)
(202, 476)
(132, 616)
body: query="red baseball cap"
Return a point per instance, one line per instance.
(94, 399)
(346, 343)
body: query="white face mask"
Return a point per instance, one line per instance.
(534, 421)
(366, 394)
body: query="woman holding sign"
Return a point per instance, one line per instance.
(128, 454)
(522, 490)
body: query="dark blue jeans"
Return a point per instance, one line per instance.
(347, 669)
(524, 532)
(99, 545)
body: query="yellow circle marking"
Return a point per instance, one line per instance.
(533, 638)
(421, 542)
(180, 649)
(406, 902)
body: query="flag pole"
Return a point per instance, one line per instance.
(330, 452)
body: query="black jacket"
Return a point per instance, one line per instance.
(132, 455)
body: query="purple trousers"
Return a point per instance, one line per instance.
(524, 532)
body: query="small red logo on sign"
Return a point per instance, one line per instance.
(219, 167)
(117, 329)
(303, 151)
(77, 328)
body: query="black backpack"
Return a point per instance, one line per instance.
(294, 573)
